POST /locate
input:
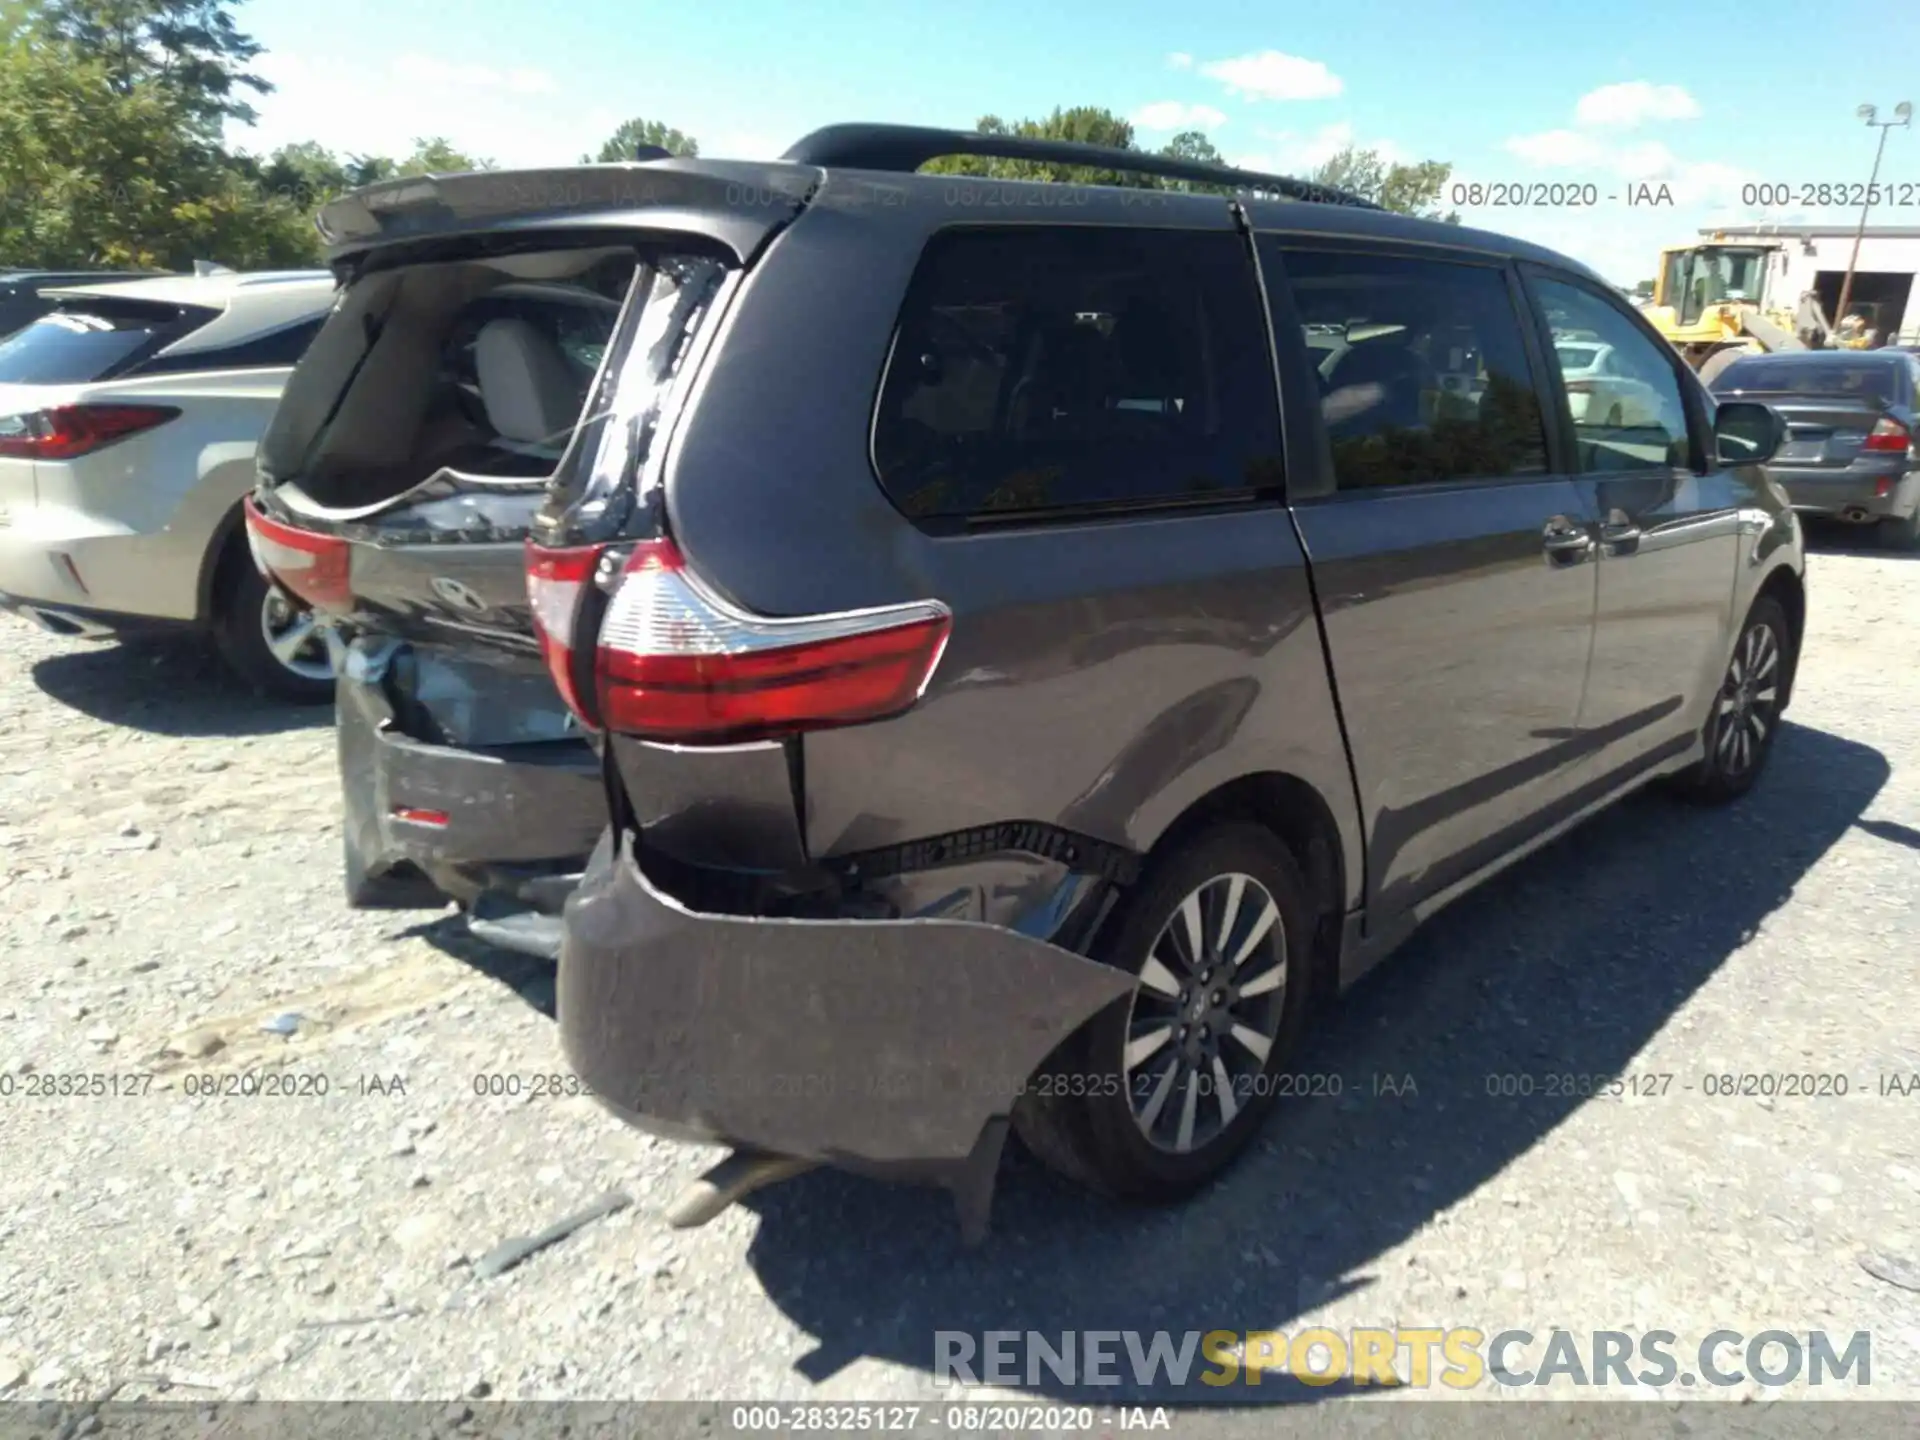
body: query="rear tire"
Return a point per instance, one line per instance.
(246, 610)
(1897, 532)
(1740, 731)
(1155, 1130)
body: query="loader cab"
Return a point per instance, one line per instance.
(1695, 278)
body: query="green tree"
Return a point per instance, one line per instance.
(636, 132)
(1083, 124)
(1407, 189)
(93, 173)
(435, 155)
(1192, 145)
(191, 47)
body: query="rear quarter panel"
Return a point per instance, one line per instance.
(1101, 676)
(142, 514)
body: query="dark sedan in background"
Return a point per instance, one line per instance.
(1851, 425)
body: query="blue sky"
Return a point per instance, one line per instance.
(1704, 98)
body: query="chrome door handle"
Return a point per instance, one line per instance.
(1565, 541)
(1620, 534)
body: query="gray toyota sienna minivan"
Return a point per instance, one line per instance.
(1028, 641)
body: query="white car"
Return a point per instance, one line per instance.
(1600, 391)
(129, 415)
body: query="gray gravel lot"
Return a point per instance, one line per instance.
(169, 883)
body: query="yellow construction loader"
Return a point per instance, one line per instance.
(1714, 303)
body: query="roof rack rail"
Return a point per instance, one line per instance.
(905, 148)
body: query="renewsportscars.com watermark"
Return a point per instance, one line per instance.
(1459, 1358)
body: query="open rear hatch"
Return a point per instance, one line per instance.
(465, 370)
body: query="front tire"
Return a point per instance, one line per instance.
(1745, 719)
(268, 642)
(1162, 1091)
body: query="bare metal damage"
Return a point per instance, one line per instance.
(892, 1047)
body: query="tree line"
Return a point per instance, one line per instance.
(114, 113)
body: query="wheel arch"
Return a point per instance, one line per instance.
(1300, 816)
(1786, 588)
(226, 547)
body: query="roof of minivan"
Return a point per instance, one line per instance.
(745, 200)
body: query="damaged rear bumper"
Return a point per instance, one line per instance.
(510, 824)
(892, 1047)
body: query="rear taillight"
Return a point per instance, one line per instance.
(677, 662)
(1579, 387)
(316, 568)
(66, 432)
(1889, 436)
(556, 579)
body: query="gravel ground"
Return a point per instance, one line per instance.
(169, 886)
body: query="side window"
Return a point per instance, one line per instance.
(1423, 372)
(1076, 369)
(1631, 418)
(279, 349)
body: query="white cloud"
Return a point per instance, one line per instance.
(1293, 152)
(1634, 102)
(1174, 115)
(1691, 182)
(1180, 60)
(1271, 75)
(503, 114)
(1556, 148)
(427, 71)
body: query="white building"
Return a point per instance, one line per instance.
(1814, 257)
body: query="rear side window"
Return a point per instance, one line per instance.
(278, 350)
(1631, 415)
(1422, 370)
(1076, 370)
(81, 343)
(1882, 379)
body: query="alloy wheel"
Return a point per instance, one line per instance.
(1749, 702)
(1205, 1013)
(293, 637)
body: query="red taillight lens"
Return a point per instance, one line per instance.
(67, 432)
(1889, 436)
(556, 579)
(316, 568)
(678, 662)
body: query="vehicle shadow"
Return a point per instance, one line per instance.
(1835, 537)
(1499, 984)
(528, 976)
(173, 686)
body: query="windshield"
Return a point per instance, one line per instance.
(1780, 375)
(1576, 357)
(74, 347)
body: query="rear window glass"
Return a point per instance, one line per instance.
(1039, 370)
(483, 368)
(1868, 379)
(75, 346)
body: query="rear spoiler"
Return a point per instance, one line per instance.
(738, 203)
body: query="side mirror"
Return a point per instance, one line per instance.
(1747, 433)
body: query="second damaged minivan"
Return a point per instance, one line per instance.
(1024, 643)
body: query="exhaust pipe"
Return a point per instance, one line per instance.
(52, 624)
(65, 626)
(1855, 513)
